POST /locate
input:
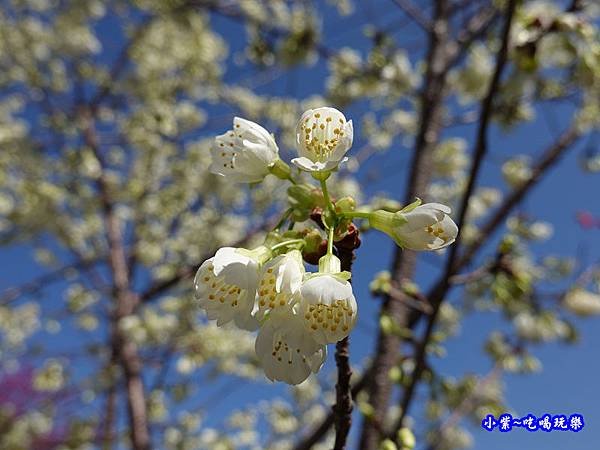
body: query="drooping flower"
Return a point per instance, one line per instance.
(323, 136)
(245, 153)
(280, 280)
(424, 227)
(285, 351)
(225, 285)
(328, 307)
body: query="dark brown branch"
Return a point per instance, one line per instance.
(404, 263)
(119, 65)
(548, 159)
(125, 302)
(267, 28)
(481, 146)
(343, 404)
(320, 431)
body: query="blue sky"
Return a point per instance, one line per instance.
(568, 382)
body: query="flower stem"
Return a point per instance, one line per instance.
(284, 217)
(353, 214)
(330, 241)
(286, 243)
(326, 196)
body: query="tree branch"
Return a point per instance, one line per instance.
(404, 262)
(31, 287)
(125, 302)
(414, 13)
(320, 431)
(343, 405)
(547, 160)
(481, 147)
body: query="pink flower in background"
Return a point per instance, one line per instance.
(586, 220)
(19, 396)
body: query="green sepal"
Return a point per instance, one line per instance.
(280, 169)
(343, 275)
(411, 206)
(261, 253)
(321, 175)
(329, 264)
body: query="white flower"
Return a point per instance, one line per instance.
(323, 137)
(285, 351)
(328, 307)
(280, 280)
(225, 286)
(244, 153)
(582, 302)
(426, 227)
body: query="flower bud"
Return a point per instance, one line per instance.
(345, 204)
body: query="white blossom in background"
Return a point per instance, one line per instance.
(226, 284)
(50, 377)
(543, 328)
(244, 153)
(285, 350)
(582, 302)
(425, 227)
(323, 136)
(472, 80)
(517, 171)
(328, 307)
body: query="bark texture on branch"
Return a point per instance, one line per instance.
(125, 302)
(479, 152)
(343, 405)
(387, 350)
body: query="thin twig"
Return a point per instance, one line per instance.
(465, 406)
(32, 287)
(414, 13)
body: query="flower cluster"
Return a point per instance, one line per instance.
(296, 312)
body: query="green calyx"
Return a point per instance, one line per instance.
(322, 175)
(342, 276)
(303, 198)
(387, 221)
(280, 169)
(285, 246)
(261, 253)
(330, 264)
